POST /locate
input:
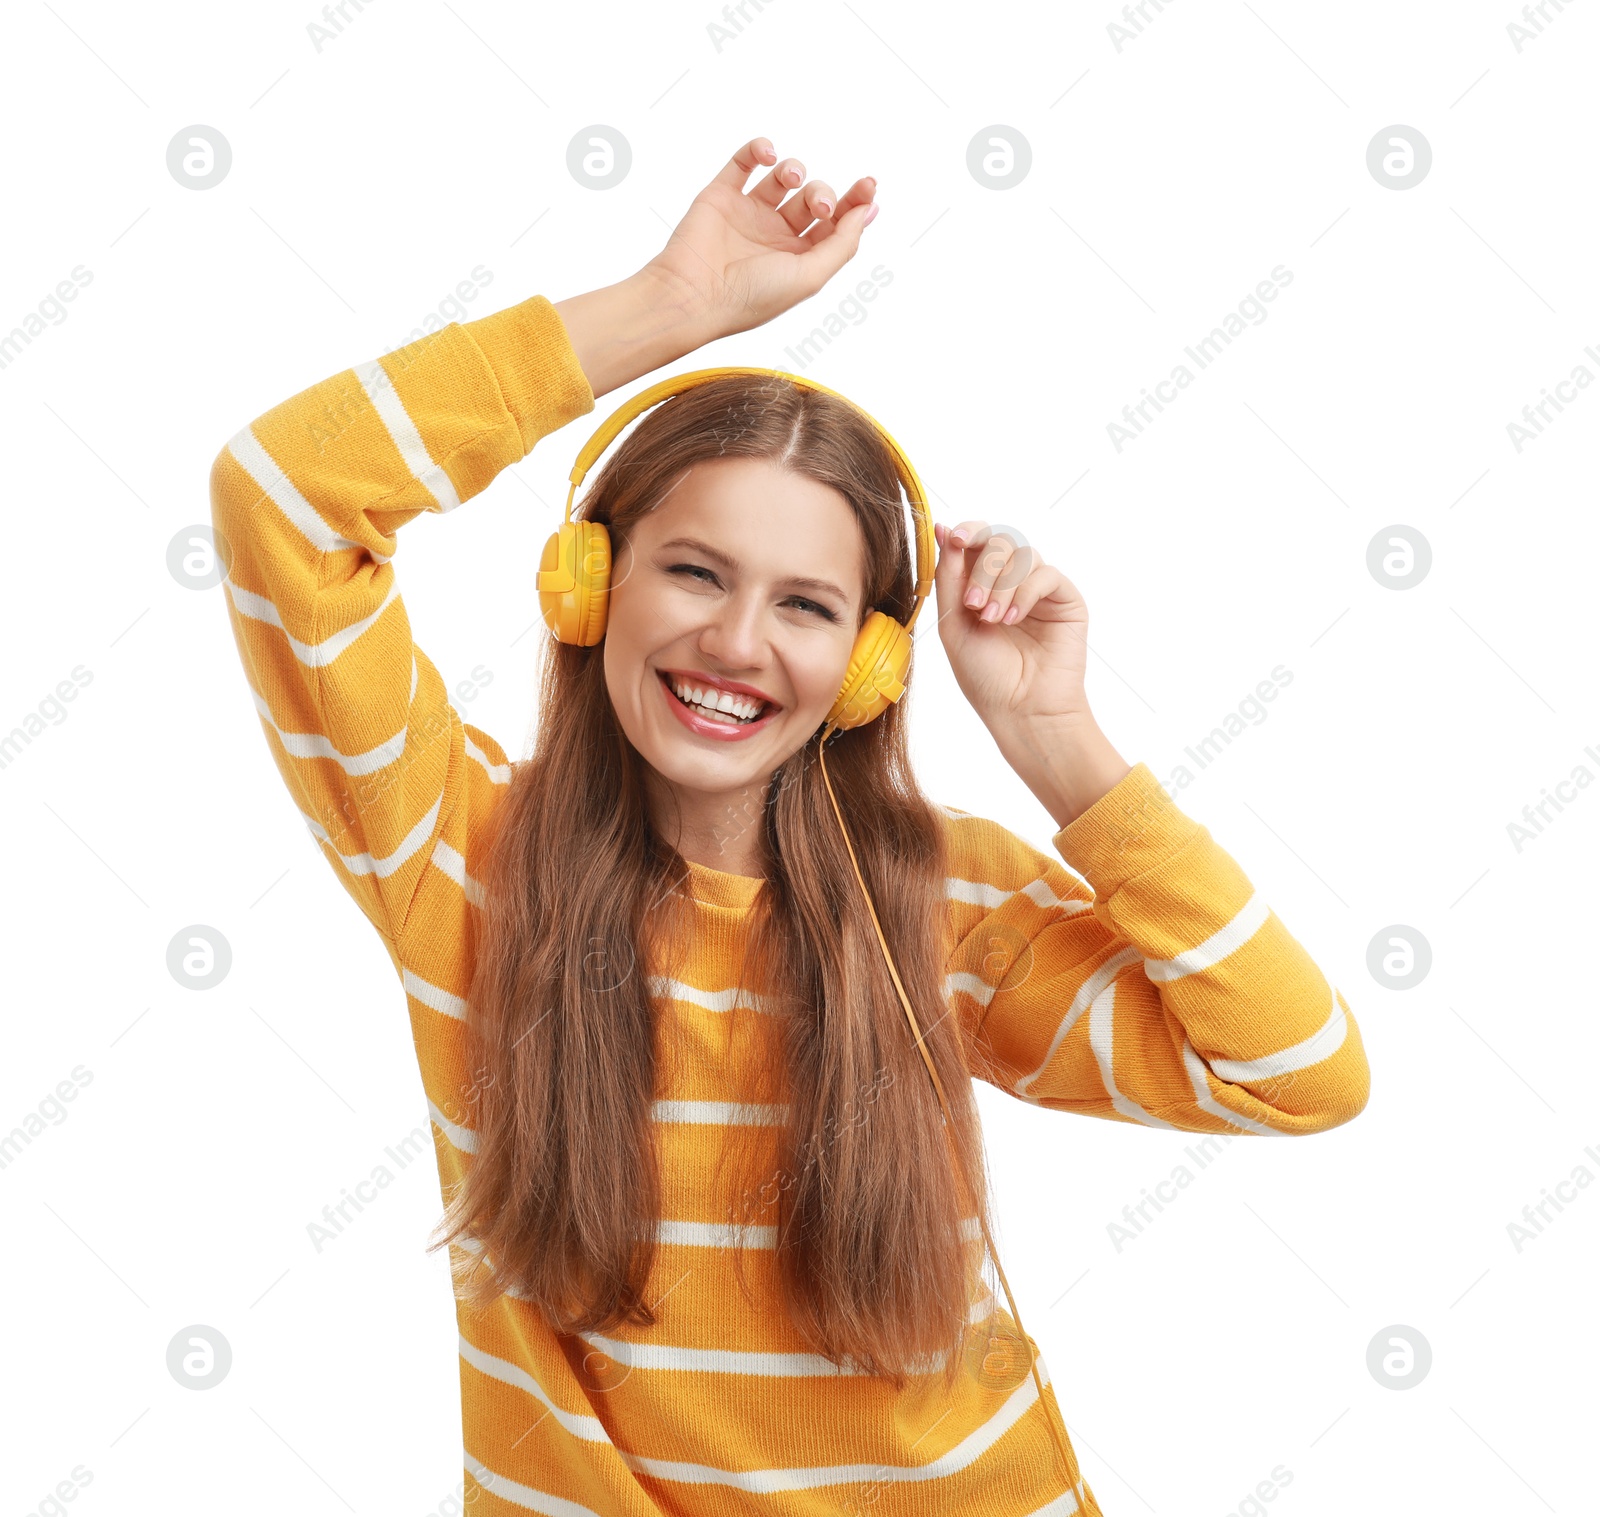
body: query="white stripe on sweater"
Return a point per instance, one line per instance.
(1234, 934)
(590, 1429)
(254, 459)
(312, 655)
(770, 1481)
(463, 1139)
(1326, 1041)
(710, 1000)
(433, 995)
(1104, 976)
(386, 402)
(1102, 1022)
(446, 859)
(499, 773)
(981, 893)
(765, 1482)
(364, 863)
(1196, 1067)
(525, 1496)
(724, 1361)
(721, 1113)
(714, 1234)
(306, 745)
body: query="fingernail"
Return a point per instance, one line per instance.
(959, 535)
(872, 210)
(1011, 615)
(826, 207)
(991, 612)
(976, 595)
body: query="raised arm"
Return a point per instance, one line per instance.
(308, 498)
(1151, 984)
(306, 501)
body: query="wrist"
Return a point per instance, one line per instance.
(1066, 761)
(628, 329)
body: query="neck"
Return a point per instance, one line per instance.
(721, 830)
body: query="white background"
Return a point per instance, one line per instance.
(1167, 179)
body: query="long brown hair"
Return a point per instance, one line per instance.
(581, 895)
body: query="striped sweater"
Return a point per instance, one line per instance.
(1154, 986)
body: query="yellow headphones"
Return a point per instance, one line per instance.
(574, 585)
(575, 567)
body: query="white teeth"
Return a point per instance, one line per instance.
(719, 702)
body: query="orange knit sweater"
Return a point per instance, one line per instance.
(1160, 988)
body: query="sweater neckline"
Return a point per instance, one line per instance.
(716, 887)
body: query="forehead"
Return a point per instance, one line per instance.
(773, 521)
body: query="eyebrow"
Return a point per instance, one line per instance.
(728, 561)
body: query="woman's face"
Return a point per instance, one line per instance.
(745, 585)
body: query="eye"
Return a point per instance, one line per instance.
(812, 605)
(694, 570)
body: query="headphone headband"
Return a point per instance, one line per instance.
(611, 428)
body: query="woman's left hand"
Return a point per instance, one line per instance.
(1015, 629)
(1016, 632)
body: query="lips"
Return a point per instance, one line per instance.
(700, 679)
(707, 726)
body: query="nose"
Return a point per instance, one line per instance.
(734, 635)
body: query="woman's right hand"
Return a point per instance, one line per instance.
(740, 258)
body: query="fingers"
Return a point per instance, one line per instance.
(992, 564)
(814, 202)
(737, 169)
(859, 193)
(784, 177)
(834, 243)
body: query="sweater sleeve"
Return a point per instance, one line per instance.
(305, 502)
(1146, 982)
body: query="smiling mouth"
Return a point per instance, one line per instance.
(716, 705)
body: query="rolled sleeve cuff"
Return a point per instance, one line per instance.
(1132, 828)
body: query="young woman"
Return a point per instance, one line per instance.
(717, 1250)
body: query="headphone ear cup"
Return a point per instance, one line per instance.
(575, 582)
(876, 676)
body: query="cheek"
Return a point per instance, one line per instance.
(820, 674)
